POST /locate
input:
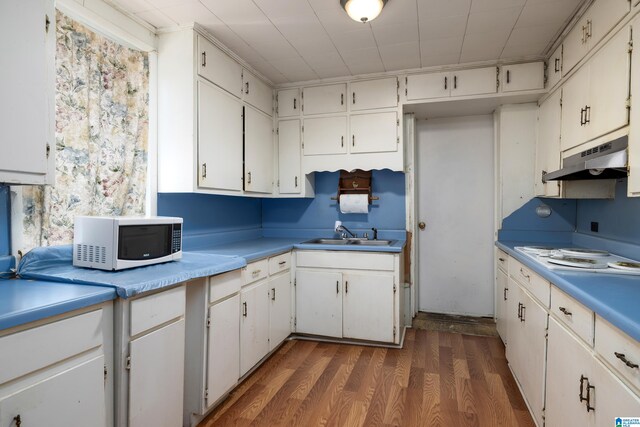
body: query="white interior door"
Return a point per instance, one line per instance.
(456, 198)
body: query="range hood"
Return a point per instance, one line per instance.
(606, 161)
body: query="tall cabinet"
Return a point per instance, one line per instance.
(27, 84)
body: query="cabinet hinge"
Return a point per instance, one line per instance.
(105, 374)
(397, 122)
(394, 332)
(206, 393)
(295, 282)
(406, 86)
(277, 131)
(295, 322)
(302, 128)
(397, 84)
(208, 320)
(128, 363)
(397, 140)
(629, 102)
(278, 183)
(394, 288)
(630, 45)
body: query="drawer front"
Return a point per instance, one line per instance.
(502, 260)
(256, 271)
(33, 349)
(619, 349)
(225, 285)
(279, 263)
(149, 312)
(535, 284)
(573, 314)
(345, 260)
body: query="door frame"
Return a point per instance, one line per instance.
(411, 209)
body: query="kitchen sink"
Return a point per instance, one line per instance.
(362, 242)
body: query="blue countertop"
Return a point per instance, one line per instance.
(613, 297)
(24, 301)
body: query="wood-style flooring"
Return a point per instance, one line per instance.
(437, 379)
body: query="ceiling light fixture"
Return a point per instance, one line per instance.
(363, 10)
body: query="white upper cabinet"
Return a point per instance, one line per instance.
(478, 81)
(595, 99)
(288, 101)
(428, 86)
(599, 19)
(324, 99)
(218, 67)
(257, 93)
(27, 85)
(554, 68)
(520, 77)
(219, 138)
(258, 151)
(324, 135)
(374, 94)
(548, 145)
(289, 151)
(374, 133)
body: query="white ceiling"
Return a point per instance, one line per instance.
(298, 40)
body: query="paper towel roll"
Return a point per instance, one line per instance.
(354, 203)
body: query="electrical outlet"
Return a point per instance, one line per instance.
(594, 226)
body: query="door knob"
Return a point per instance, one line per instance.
(422, 225)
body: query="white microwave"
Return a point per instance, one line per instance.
(117, 243)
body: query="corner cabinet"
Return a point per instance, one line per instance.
(215, 120)
(348, 295)
(27, 84)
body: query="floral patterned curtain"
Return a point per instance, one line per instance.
(102, 103)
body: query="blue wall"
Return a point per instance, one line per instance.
(619, 219)
(388, 213)
(525, 224)
(204, 213)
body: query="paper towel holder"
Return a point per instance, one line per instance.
(357, 181)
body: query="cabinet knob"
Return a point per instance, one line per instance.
(422, 225)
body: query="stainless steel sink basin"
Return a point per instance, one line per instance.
(371, 242)
(362, 242)
(327, 242)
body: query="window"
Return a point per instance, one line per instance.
(102, 137)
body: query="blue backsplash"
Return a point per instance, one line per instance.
(525, 224)
(619, 219)
(321, 212)
(229, 217)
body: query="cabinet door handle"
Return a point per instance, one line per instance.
(47, 23)
(353, 140)
(204, 59)
(588, 33)
(565, 311)
(508, 76)
(342, 141)
(244, 309)
(256, 273)
(204, 170)
(522, 311)
(624, 360)
(18, 420)
(337, 287)
(248, 177)
(504, 293)
(502, 259)
(346, 287)
(342, 99)
(273, 295)
(586, 398)
(455, 82)
(354, 97)
(446, 83)
(584, 34)
(582, 115)
(296, 183)
(246, 88)
(557, 65)
(587, 114)
(519, 310)
(295, 103)
(524, 274)
(282, 262)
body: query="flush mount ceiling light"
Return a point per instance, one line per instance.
(363, 10)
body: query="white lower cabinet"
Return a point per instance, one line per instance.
(581, 391)
(528, 349)
(74, 397)
(58, 372)
(156, 377)
(319, 303)
(254, 325)
(502, 298)
(279, 310)
(348, 295)
(368, 307)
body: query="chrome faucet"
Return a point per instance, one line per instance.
(344, 230)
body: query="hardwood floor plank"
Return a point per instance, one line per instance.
(439, 379)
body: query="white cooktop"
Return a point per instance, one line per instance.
(567, 259)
